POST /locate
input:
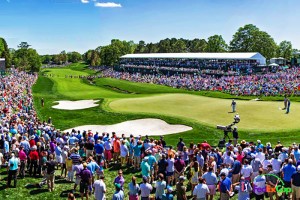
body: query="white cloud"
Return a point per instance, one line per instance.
(108, 5)
(84, 1)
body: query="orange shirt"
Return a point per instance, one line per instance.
(117, 145)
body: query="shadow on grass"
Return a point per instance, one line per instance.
(62, 181)
(64, 194)
(38, 191)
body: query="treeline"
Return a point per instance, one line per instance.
(24, 57)
(248, 38)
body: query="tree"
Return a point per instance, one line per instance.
(216, 43)
(285, 50)
(141, 47)
(4, 52)
(74, 57)
(180, 46)
(27, 58)
(197, 45)
(250, 39)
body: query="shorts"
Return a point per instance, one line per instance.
(170, 174)
(212, 189)
(58, 159)
(107, 155)
(287, 184)
(296, 191)
(137, 159)
(77, 180)
(84, 187)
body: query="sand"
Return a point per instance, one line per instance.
(75, 105)
(136, 127)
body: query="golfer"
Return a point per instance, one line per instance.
(233, 106)
(288, 106)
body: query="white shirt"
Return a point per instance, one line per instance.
(276, 163)
(200, 191)
(260, 156)
(246, 171)
(100, 190)
(228, 160)
(265, 164)
(146, 189)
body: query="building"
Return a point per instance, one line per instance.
(195, 63)
(2, 65)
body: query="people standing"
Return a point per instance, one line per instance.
(201, 190)
(181, 189)
(296, 184)
(146, 189)
(233, 106)
(86, 180)
(211, 181)
(50, 165)
(160, 186)
(13, 170)
(288, 106)
(119, 194)
(134, 189)
(225, 187)
(99, 188)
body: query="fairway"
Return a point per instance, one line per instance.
(120, 101)
(255, 115)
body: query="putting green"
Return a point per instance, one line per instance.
(255, 115)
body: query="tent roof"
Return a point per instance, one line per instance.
(238, 56)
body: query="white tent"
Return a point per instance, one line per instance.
(273, 65)
(217, 56)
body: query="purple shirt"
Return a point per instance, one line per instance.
(85, 175)
(120, 180)
(78, 168)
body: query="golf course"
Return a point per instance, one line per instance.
(120, 101)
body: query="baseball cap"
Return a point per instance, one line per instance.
(118, 186)
(182, 178)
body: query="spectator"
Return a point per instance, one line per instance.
(160, 186)
(146, 189)
(99, 188)
(13, 170)
(86, 181)
(134, 189)
(50, 165)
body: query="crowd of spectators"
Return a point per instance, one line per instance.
(283, 81)
(198, 170)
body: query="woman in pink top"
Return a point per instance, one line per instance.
(23, 159)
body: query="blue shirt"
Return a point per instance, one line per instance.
(72, 140)
(288, 171)
(99, 148)
(137, 150)
(118, 195)
(13, 163)
(151, 161)
(236, 167)
(6, 147)
(93, 166)
(167, 196)
(225, 185)
(57, 151)
(145, 169)
(297, 155)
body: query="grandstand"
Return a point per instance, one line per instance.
(191, 63)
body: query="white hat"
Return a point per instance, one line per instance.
(298, 168)
(258, 141)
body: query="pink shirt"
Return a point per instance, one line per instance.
(22, 155)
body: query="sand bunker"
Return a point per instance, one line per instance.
(75, 105)
(136, 127)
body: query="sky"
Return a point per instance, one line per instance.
(52, 26)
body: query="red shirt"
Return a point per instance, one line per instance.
(34, 155)
(32, 143)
